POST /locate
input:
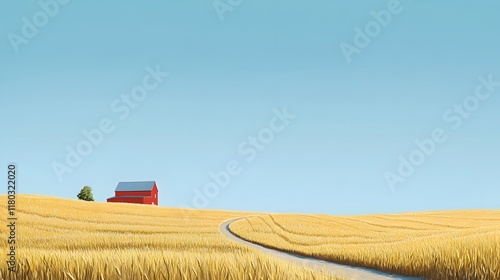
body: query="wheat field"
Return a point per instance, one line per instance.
(69, 239)
(435, 245)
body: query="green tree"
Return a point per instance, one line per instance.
(86, 194)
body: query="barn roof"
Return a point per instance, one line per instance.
(134, 186)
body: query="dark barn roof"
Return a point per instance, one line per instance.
(135, 186)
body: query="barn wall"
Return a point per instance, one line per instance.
(143, 193)
(153, 193)
(139, 200)
(150, 200)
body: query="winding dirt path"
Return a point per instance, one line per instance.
(349, 272)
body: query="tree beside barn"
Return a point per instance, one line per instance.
(86, 194)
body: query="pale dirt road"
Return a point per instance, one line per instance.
(349, 272)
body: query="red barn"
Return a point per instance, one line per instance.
(136, 192)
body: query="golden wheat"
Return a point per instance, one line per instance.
(436, 245)
(68, 239)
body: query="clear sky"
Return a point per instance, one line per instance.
(362, 79)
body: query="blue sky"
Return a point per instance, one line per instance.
(354, 115)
